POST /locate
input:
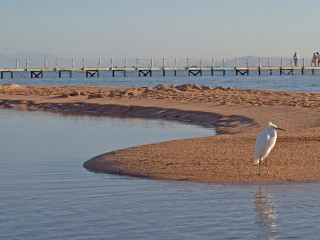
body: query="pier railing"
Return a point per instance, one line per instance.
(145, 67)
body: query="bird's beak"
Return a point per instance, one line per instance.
(280, 129)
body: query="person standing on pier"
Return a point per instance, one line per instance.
(314, 59)
(295, 59)
(318, 54)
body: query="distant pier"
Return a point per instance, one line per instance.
(150, 67)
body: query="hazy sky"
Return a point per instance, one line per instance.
(160, 28)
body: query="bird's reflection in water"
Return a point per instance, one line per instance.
(265, 212)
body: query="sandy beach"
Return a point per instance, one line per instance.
(238, 116)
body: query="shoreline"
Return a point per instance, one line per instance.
(237, 115)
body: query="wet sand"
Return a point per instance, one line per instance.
(238, 115)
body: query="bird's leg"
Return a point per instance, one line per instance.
(267, 167)
(259, 166)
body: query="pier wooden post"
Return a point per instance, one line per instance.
(111, 67)
(83, 63)
(188, 66)
(72, 62)
(247, 66)
(36, 74)
(236, 64)
(259, 66)
(200, 66)
(99, 62)
(92, 73)
(212, 67)
(175, 65)
(2, 73)
(302, 69)
(125, 65)
(163, 66)
(27, 64)
(151, 67)
(281, 66)
(223, 64)
(17, 64)
(138, 64)
(45, 63)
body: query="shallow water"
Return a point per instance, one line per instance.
(296, 82)
(47, 194)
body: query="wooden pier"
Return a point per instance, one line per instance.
(143, 71)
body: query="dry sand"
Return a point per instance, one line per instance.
(238, 116)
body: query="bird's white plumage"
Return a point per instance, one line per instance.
(265, 142)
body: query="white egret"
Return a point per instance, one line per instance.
(264, 143)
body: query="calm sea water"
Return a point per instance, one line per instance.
(47, 194)
(296, 82)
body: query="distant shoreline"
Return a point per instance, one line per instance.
(238, 116)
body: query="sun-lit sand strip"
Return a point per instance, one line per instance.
(238, 116)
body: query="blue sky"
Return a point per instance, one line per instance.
(166, 28)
